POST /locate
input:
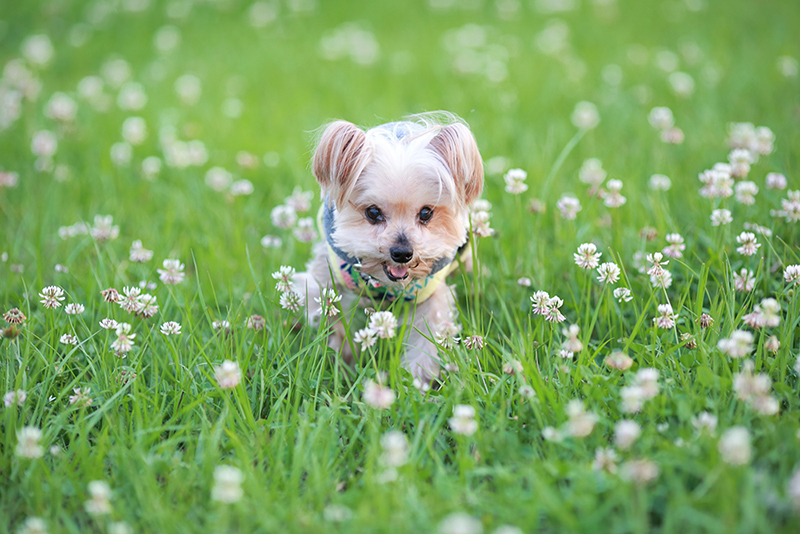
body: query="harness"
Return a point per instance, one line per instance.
(346, 268)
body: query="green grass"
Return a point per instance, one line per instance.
(297, 427)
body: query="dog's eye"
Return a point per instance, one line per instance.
(425, 214)
(374, 214)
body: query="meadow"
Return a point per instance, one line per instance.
(626, 357)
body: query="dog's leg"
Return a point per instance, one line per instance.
(310, 284)
(421, 358)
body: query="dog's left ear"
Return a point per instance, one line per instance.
(456, 145)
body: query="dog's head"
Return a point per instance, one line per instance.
(400, 193)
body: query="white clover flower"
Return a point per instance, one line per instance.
(527, 391)
(705, 422)
(744, 280)
(366, 337)
(300, 200)
(739, 345)
(104, 228)
(327, 301)
(61, 108)
(580, 423)
(585, 116)
(15, 398)
(171, 328)
(662, 279)
(33, 525)
(660, 182)
(553, 313)
(306, 230)
(134, 130)
(587, 256)
(99, 502)
(746, 193)
(463, 420)
(791, 274)
(38, 49)
(481, 227)
(139, 254)
(623, 294)
(271, 241)
(776, 180)
(221, 325)
(666, 317)
(749, 244)
(227, 484)
(682, 84)
(283, 216)
(384, 324)
(608, 273)
(68, 339)
(51, 296)
(378, 396)
(188, 88)
(734, 446)
(109, 324)
(605, 460)
(241, 188)
(228, 375)
(721, 217)
(541, 300)
(524, 281)
(172, 273)
(395, 449)
(569, 207)
(672, 135)
(74, 309)
(515, 181)
(460, 523)
(132, 97)
(284, 276)
(28, 438)
(125, 340)
(591, 172)
(147, 305)
(218, 179)
(614, 198)
(619, 360)
(572, 343)
(292, 301)
(640, 472)
(626, 432)
(676, 247)
(661, 118)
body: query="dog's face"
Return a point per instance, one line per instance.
(401, 193)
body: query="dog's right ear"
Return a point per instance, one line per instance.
(340, 158)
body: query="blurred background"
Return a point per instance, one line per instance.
(144, 98)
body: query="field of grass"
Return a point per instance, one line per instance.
(699, 434)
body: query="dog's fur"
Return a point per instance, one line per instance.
(431, 161)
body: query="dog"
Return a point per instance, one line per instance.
(395, 221)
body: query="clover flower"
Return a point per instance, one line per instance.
(28, 446)
(659, 182)
(125, 340)
(74, 309)
(395, 449)
(749, 244)
(139, 254)
(327, 301)
(619, 360)
(614, 198)
(68, 339)
(51, 296)
(283, 216)
(623, 294)
(292, 301)
(592, 173)
(463, 420)
(666, 317)
(14, 316)
(608, 273)
(775, 180)
(171, 328)
(553, 313)
(626, 432)
(540, 300)
(746, 193)
(306, 230)
(744, 280)
(585, 116)
(661, 118)
(572, 343)
(580, 423)
(228, 374)
(284, 277)
(676, 247)
(367, 337)
(587, 256)
(569, 207)
(605, 459)
(172, 273)
(739, 345)
(378, 396)
(15, 398)
(640, 472)
(791, 274)
(515, 181)
(734, 446)
(227, 484)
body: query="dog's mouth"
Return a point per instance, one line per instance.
(395, 272)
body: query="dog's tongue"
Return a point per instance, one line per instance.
(398, 272)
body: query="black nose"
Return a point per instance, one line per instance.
(401, 255)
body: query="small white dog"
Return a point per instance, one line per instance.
(395, 221)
